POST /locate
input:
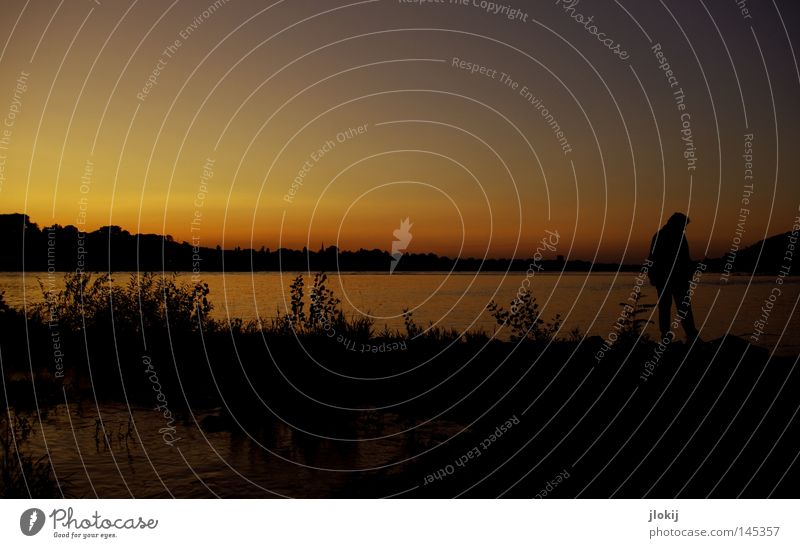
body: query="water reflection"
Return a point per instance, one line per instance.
(113, 451)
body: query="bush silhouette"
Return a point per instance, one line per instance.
(147, 301)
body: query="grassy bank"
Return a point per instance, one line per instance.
(153, 343)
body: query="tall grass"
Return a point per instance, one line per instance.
(147, 301)
(323, 308)
(22, 475)
(524, 320)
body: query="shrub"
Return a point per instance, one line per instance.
(324, 308)
(412, 329)
(324, 312)
(147, 301)
(523, 319)
(632, 325)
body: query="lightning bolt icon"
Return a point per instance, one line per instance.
(34, 516)
(402, 237)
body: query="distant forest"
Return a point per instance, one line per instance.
(112, 249)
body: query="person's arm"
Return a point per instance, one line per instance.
(684, 258)
(655, 271)
(651, 256)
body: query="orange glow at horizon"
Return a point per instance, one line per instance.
(239, 132)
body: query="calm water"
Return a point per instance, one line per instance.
(132, 460)
(590, 302)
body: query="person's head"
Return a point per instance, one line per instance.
(678, 221)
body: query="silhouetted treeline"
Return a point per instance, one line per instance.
(112, 249)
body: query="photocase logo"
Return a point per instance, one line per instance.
(402, 237)
(31, 521)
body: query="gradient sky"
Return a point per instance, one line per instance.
(260, 87)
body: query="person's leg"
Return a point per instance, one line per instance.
(683, 304)
(664, 309)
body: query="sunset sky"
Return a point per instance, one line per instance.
(194, 119)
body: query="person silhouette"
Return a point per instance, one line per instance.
(670, 272)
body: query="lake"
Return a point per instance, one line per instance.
(587, 301)
(131, 460)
